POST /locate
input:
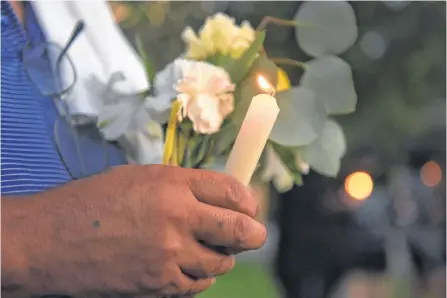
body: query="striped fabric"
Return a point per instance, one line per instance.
(29, 161)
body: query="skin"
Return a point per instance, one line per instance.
(137, 231)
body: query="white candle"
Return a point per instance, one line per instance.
(253, 135)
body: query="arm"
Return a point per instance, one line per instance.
(134, 230)
(18, 235)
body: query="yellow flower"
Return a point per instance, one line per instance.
(283, 82)
(219, 35)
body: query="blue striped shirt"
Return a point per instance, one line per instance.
(29, 159)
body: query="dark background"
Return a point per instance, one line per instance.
(399, 69)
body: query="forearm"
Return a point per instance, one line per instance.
(43, 251)
(24, 236)
(15, 269)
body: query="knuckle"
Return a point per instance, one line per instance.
(171, 251)
(217, 266)
(158, 281)
(224, 265)
(241, 229)
(232, 194)
(240, 197)
(252, 206)
(199, 286)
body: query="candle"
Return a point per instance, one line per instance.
(253, 135)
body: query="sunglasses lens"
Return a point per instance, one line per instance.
(82, 148)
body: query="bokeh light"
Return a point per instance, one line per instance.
(359, 185)
(431, 174)
(373, 44)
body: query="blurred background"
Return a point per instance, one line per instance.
(378, 230)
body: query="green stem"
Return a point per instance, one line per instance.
(291, 62)
(196, 152)
(177, 135)
(207, 156)
(186, 154)
(280, 22)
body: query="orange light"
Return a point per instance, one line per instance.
(431, 174)
(359, 185)
(265, 85)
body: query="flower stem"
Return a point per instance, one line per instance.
(169, 148)
(209, 153)
(280, 22)
(291, 62)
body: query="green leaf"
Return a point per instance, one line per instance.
(287, 156)
(330, 78)
(245, 91)
(149, 66)
(217, 163)
(324, 154)
(103, 124)
(239, 68)
(325, 27)
(219, 60)
(300, 119)
(249, 87)
(225, 137)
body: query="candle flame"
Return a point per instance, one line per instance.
(265, 85)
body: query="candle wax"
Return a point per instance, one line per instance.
(252, 137)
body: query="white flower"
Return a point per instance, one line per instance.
(278, 173)
(303, 166)
(204, 90)
(219, 35)
(144, 146)
(124, 118)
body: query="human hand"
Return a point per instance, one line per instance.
(136, 230)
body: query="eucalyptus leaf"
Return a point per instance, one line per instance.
(331, 80)
(239, 68)
(149, 66)
(300, 120)
(324, 154)
(325, 27)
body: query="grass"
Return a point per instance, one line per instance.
(246, 280)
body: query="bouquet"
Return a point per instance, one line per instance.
(197, 104)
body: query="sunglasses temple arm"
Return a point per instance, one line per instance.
(80, 25)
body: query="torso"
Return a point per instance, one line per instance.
(29, 159)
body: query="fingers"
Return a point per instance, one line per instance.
(189, 286)
(221, 227)
(221, 190)
(202, 262)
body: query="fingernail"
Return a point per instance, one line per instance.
(213, 281)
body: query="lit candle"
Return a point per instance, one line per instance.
(253, 135)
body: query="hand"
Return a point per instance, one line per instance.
(136, 230)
